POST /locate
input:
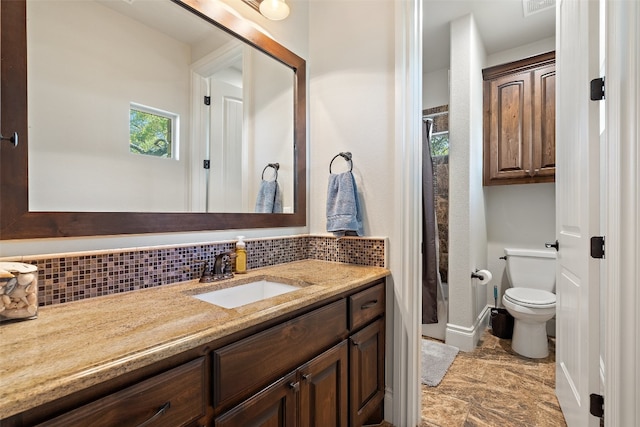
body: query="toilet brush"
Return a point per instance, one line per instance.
(494, 312)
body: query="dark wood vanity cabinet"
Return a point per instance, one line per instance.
(342, 384)
(519, 121)
(319, 367)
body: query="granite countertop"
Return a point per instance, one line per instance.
(75, 345)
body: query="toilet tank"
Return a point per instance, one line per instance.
(531, 268)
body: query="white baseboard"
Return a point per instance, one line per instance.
(388, 404)
(466, 338)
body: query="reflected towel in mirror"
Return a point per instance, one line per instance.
(269, 198)
(343, 208)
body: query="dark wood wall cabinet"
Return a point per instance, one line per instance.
(519, 121)
(321, 366)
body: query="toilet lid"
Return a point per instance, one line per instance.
(531, 297)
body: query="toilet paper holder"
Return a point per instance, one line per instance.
(484, 276)
(476, 275)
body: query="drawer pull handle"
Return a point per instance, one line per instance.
(368, 304)
(295, 386)
(164, 408)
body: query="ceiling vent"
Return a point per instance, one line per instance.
(529, 7)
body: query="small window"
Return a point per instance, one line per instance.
(153, 132)
(440, 144)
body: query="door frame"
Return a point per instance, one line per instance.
(622, 230)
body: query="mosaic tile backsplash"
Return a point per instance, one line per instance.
(70, 277)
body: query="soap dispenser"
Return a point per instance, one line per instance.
(241, 256)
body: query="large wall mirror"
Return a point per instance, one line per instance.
(150, 116)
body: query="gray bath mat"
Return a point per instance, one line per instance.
(436, 359)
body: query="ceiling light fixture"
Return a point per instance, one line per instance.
(275, 10)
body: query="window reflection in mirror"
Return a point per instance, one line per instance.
(89, 61)
(152, 132)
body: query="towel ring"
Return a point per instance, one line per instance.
(345, 155)
(275, 166)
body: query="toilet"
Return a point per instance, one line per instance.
(531, 299)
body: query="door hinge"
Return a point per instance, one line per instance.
(597, 89)
(597, 247)
(596, 405)
(207, 100)
(206, 164)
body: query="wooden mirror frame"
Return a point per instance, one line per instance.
(17, 222)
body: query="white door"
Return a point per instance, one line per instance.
(226, 193)
(577, 210)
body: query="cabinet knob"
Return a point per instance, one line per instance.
(295, 386)
(306, 376)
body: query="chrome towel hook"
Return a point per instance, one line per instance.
(12, 139)
(345, 155)
(275, 166)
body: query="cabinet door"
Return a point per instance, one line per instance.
(324, 390)
(275, 406)
(366, 355)
(509, 128)
(240, 369)
(544, 121)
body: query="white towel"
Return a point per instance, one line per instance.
(343, 208)
(269, 198)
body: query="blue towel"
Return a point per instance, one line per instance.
(343, 208)
(269, 198)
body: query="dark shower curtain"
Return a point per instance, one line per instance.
(429, 232)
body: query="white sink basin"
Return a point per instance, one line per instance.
(239, 295)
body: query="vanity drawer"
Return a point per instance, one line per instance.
(242, 368)
(180, 392)
(366, 305)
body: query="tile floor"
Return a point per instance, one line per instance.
(494, 387)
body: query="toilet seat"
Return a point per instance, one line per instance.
(533, 298)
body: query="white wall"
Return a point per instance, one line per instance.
(80, 90)
(435, 88)
(467, 232)
(351, 92)
(521, 52)
(270, 104)
(521, 216)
